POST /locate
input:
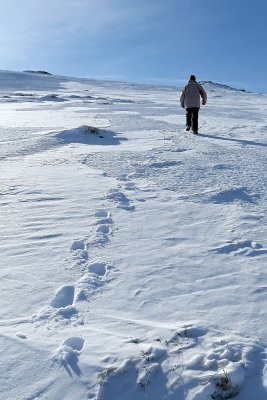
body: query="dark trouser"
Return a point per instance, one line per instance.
(192, 118)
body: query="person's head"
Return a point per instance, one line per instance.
(192, 78)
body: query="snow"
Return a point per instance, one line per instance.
(133, 253)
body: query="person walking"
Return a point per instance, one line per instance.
(190, 100)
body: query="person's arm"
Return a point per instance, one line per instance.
(203, 94)
(182, 98)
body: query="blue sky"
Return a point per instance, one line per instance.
(138, 40)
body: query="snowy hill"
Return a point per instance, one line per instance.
(213, 86)
(133, 253)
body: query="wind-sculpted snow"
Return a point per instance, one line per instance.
(193, 364)
(89, 135)
(133, 253)
(246, 247)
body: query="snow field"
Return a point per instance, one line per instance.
(133, 253)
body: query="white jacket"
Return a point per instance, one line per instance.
(191, 94)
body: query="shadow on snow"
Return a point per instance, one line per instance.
(240, 141)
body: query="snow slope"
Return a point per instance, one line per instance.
(133, 253)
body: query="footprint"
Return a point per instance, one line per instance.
(98, 268)
(92, 281)
(103, 229)
(64, 297)
(101, 214)
(121, 199)
(78, 245)
(106, 221)
(79, 252)
(68, 355)
(75, 342)
(103, 218)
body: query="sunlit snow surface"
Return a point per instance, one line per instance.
(133, 253)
